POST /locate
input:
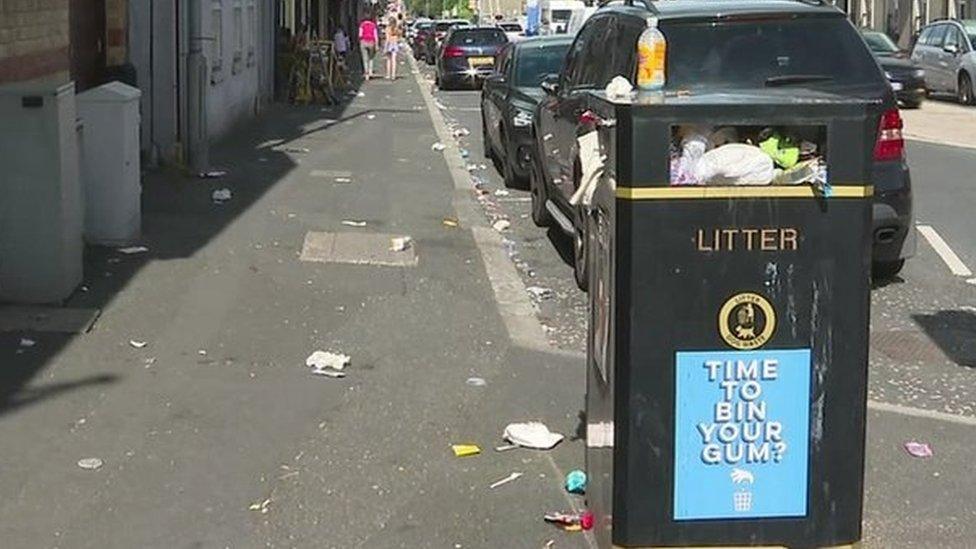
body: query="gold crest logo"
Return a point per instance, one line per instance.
(747, 321)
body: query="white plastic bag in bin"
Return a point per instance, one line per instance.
(735, 164)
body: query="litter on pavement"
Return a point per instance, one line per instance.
(476, 382)
(576, 482)
(221, 195)
(465, 450)
(461, 132)
(26, 342)
(539, 293)
(343, 180)
(90, 464)
(502, 192)
(261, 506)
(137, 344)
(400, 243)
(504, 481)
(532, 435)
(570, 521)
(506, 447)
(501, 225)
(370, 116)
(438, 146)
(918, 449)
(328, 364)
(214, 174)
(300, 150)
(450, 222)
(132, 250)
(352, 223)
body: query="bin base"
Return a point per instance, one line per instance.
(856, 545)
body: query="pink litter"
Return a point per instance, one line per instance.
(918, 449)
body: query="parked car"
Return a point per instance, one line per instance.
(715, 48)
(418, 42)
(513, 30)
(907, 78)
(435, 37)
(468, 56)
(509, 98)
(946, 50)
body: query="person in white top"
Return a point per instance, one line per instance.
(341, 43)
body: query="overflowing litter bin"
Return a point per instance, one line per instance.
(728, 342)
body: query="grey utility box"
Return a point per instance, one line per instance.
(110, 171)
(40, 200)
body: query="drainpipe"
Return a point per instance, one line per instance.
(198, 140)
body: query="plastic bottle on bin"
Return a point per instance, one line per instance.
(651, 53)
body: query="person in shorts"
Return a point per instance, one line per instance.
(392, 46)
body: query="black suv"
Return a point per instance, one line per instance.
(722, 45)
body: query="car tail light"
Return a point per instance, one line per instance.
(453, 51)
(891, 143)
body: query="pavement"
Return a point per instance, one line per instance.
(216, 434)
(941, 121)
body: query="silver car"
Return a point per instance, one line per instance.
(947, 51)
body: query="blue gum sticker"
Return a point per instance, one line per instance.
(741, 434)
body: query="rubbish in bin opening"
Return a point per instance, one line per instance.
(748, 155)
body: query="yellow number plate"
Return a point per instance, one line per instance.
(479, 61)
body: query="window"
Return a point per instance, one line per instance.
(925, 36)
(572, 72)
(252, 32)
(534, 63)
(238, 35)
(628, 31)
(938, 35)
(592, 66)
(955, 38)
(756, 54)
(217, 36)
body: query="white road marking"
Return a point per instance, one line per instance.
(950, 258)
(921, 413)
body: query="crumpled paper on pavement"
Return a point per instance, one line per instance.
(328, 363)
(532, 434)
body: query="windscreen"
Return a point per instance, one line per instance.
(879, 42)
(478, 37)
(535, 63)
(970, 32)
(812, 52)
(561, 15)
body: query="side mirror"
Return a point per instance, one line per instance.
(951, 48)
(550, 84)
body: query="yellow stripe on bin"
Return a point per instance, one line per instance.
(700, 193)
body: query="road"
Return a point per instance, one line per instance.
(922, 377)
(216, 434)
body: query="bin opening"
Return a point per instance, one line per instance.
(748, 155)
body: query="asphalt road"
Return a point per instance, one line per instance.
(922, 376)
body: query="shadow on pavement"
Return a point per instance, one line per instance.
(954, 332)
(179, 218)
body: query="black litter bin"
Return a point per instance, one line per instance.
(728, 347)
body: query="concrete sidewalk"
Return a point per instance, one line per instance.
(941, 122)
(216, 433)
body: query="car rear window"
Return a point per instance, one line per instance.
(511, 27)
(478, 37)
(535, 63)
(755, 54)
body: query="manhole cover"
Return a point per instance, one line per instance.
(906, 346)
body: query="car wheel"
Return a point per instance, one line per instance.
(537, 189)
(886, 270)
(581, 256)
(965, 89)
(912, 104)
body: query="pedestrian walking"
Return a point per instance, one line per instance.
(392, 40)
(368, 40)
(341, 41)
